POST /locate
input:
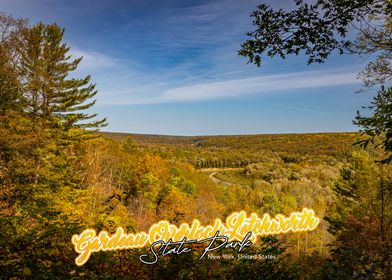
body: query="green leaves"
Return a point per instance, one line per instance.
(378, 127)
(317, 29)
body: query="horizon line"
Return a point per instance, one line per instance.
(241, 134)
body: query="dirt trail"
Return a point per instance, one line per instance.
(219, 181)
(214, 171)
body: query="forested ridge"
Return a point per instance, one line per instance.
(240, 150)
(59, 176)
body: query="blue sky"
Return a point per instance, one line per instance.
(171, 67)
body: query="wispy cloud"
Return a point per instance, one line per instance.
(93, 60)
(303, 110)
(240, 87)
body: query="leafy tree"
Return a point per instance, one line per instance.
(359, 222)
(11, 97)
(379, 124)
(10, 93)
(39, 176)
(319, 29)
(322, 27)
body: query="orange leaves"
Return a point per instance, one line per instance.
(149, 163)
(176, 207)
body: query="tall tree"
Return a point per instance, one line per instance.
(379, 125)
(11, 97)
(45, 65)
(41, 110)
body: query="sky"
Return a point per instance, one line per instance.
(172, 67)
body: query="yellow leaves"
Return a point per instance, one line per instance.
(150, 164)
(177, 206)
(289, 203)
(119, 216)
(74, 204)
(147, 180)
(27, 271)
(111, 222)
(3, 169)
(129, 145)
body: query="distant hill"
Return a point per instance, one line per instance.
(334, 144)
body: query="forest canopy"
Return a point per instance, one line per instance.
(59, 176)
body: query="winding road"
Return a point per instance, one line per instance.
(217, 180)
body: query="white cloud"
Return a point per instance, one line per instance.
(238, 87)
(93, 60)
(259, 85)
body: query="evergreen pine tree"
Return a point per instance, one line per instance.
(54, 98)
(379, 126)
